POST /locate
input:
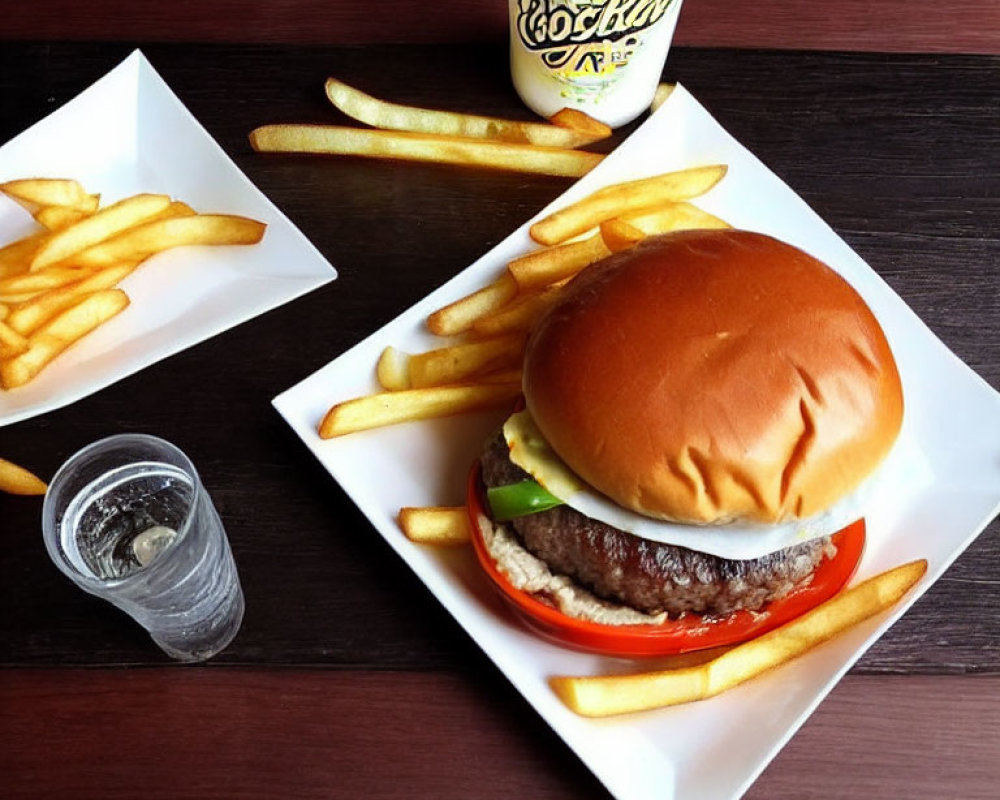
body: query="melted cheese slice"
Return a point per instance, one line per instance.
(531, 452)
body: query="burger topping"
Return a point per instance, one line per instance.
(519, 499)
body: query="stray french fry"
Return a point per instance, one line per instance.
(436, 525)
(672, 217)
(49, 192)
(408, 405)
(27, 317)
(601, 696)
(663, 91)
(460, 362)
(18, 480)
(393, 369)
(336, 140)
(621, 198)
(97, 227)
(551, 264)
(459, 316)
(59, 333)
(149, 238)
(392, 116)
(619, 235)
(12, 343)
(576, 120)
(519, 315)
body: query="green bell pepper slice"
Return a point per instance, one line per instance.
(519, 500)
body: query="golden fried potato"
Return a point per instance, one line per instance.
(435, 525)
(619, 199)
(409, 405)
(336, 140)
(392, 116)
(18, 480)
(461, 362)
(601, 696)
(59, 333)
(459, 316)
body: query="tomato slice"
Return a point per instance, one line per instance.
(686, 634)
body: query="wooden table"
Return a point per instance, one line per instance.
(348, 679)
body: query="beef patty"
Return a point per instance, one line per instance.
(649, 576)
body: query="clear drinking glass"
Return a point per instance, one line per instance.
(128, 520)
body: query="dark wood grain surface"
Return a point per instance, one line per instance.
(901, 26)
(896, 152)
(226, 733)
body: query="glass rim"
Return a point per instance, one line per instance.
(52, 520)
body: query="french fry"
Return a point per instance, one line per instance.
(409, 405)
(336, 140)
(619, 235)
(59, 333)
(393, 369)
(621, 198)
(149, 238)
(55, 218)
(49, 192)
(17, 480)
(58, 284)
(435, 525)
(551, 264)
(15, 258)
(663, 91)
(27, 317)
(672, 217)
(601, 696)
(97, 227)
(512, 375)
(457, 363)
(12, 343)
(459, 316)
(392, 116)
(39, 281)
(15, 298)
(584, 124)
(519, 315)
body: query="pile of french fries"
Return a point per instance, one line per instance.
(17, 480)
(62, 281)
(444, 137)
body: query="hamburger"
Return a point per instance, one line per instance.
(702, 416)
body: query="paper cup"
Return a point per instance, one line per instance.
(603, 57)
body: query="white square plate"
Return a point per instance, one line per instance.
(946, 492)
(129, 133)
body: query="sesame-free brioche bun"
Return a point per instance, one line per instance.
(714, 376)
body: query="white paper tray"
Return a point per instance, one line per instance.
(129, 133)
